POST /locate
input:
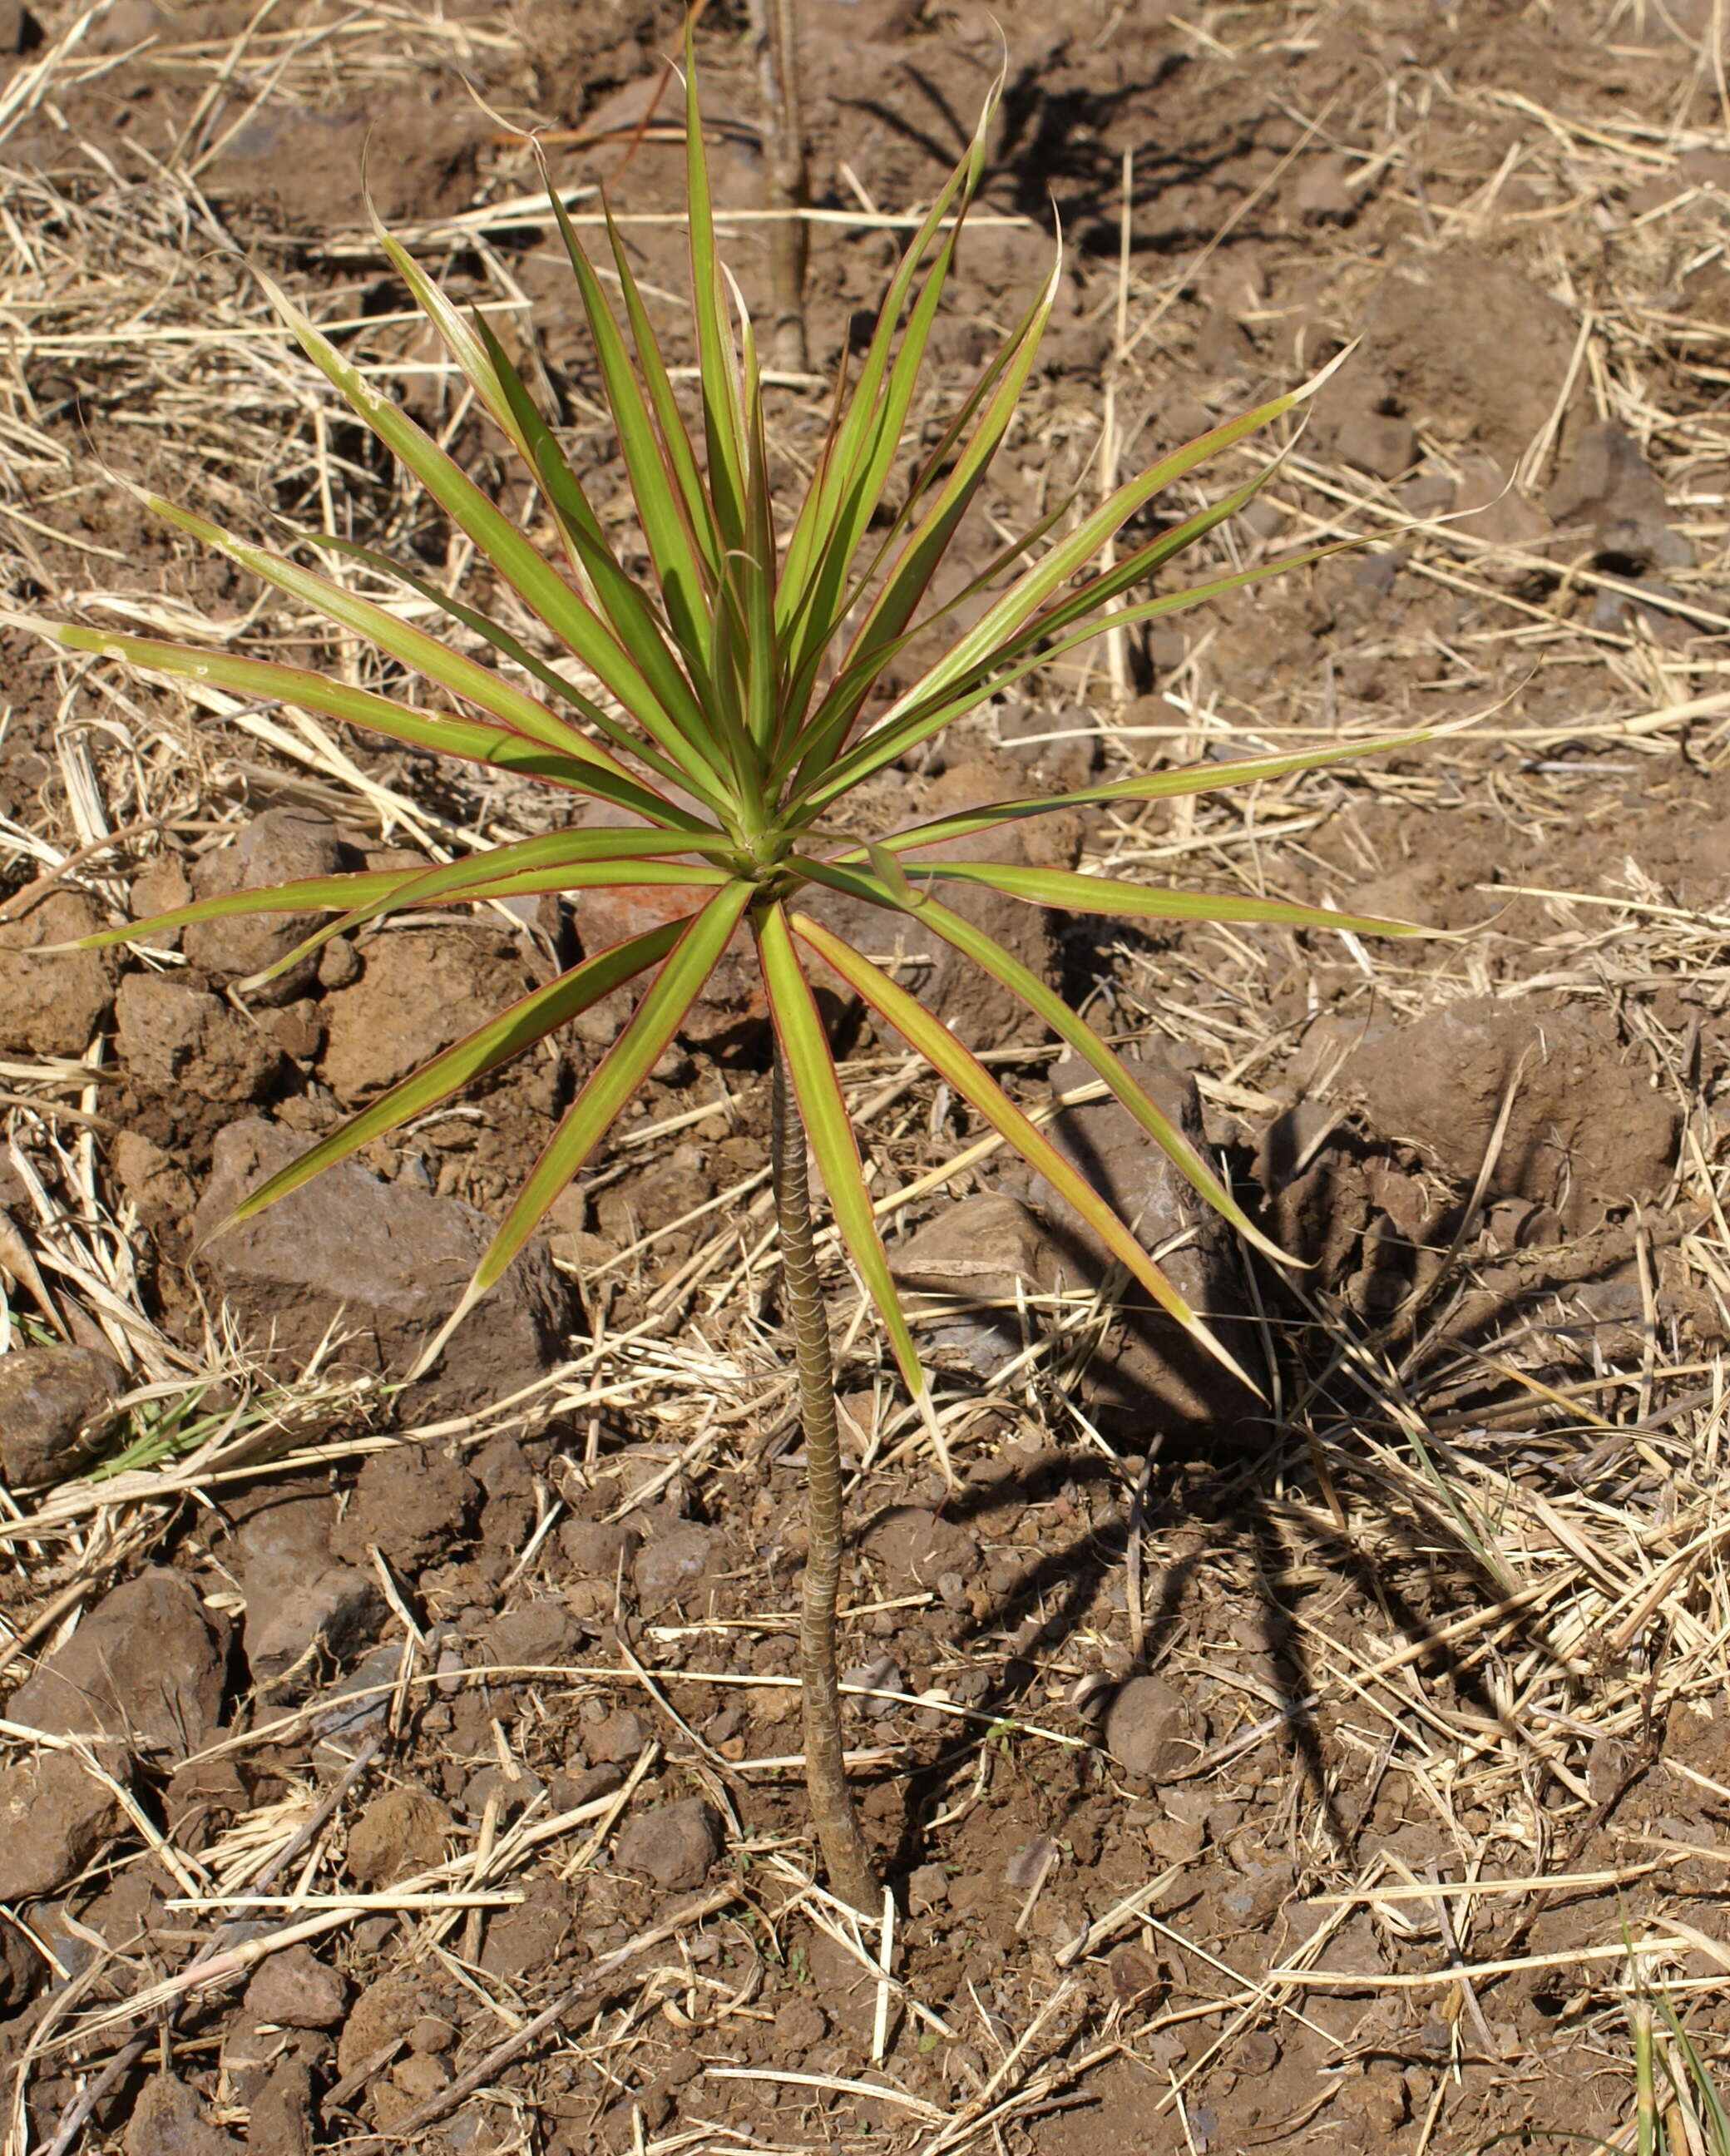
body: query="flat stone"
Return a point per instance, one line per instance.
(52, 1004)
(53, 1402)
(53, 1818)
(387, 1261)
(672, 1846)
(147, 1665)
(283, 845)
(296, 1990)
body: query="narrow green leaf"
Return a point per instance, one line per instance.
(1152, 786)
(1111, 895)
(723, 410)
(411, 647)
(444, 733)
(675, 440)
(626, 652)
(1074, 552)
(312, 895)
(502, 1037)
(990, 956)
(906, 583)
(867, 431)
(558, 862)
(659, 510)
(614, 1080)
(930, 1038)
(930, 716)
(829, 1128)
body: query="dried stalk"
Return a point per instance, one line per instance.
(852, 1875)
(787, 189)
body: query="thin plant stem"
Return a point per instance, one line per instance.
(852, 1875)
(784, 159)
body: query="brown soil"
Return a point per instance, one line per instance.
(1333, 1773)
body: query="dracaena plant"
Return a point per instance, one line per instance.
(718, 680)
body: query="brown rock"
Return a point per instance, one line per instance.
(1376, 443)
(418, 991)
(147, 1665)
(1145, 1362)
(1586, 1129)
(387, 1261)
(52, 1005)
(1473, 350)
(154, 1181)
(281, 846)
(298, 1594)
(916, 1547)
(296, 1990)
(172, 1036)
(1144, 1729)
(669, 1567)
(621, 1736)
(54, 1404)
(398, 1833)
(1608, 486)
(279, 2116)
(53, 1818)
(1494, 510)
(985, 1250)
(169, 2120)
(672, 1847)
(411, 1503)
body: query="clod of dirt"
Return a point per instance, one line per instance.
(1471, 350)
(916, 1547)
(52, 1404)
(52, 1005)
(279, 2120)
(146, 1666)
(668, 1567)
(279, 846)
(172, 1036)
(1586, 1129)
(417, 992)
(152, 1178)
(1608, 486)
(595, 1549)
(534, 1636)
(620, 1737)
(387, 1261)
(1376, 443)
(1145, 1362)
(985, 1249)
(53, 1818)
(296, 1990)
(1144, 1729)
(297, 1594)
(398, 1832)
(672, 1847)
(385, 2010)
(169, 2120)
(413, 1504)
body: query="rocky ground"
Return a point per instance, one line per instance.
(1340, 1771)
